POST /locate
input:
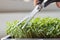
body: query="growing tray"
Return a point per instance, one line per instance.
(8, 37)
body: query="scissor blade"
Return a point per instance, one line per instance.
(29, 17)
(32, 14)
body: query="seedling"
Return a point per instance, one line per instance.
(36, 28)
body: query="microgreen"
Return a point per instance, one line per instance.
(36, 28)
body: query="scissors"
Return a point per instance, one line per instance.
(40, 5)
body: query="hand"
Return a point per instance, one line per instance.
(58, 4)
(36, 2)
(48, 2)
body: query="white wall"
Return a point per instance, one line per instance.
(20, 5)
(15, 5)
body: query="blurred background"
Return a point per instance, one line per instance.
(11, 10)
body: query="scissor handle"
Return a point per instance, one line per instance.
(55, 0)
(49, 2)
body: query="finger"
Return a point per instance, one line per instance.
(58, 4)
(35, 2)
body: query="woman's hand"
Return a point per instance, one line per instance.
(36, 1)
(58, 4)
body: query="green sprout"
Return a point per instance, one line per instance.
(36, 28)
